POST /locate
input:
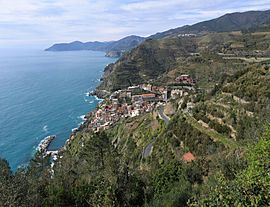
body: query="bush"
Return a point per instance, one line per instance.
(251, 187)
(223, 129)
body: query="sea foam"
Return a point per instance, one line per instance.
(45, 129)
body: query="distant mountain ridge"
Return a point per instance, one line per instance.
(112, 48)
(226, 23)
(162, 52)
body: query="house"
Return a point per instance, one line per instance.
(146, 87)
(115, 103)
(187, 35)
(161, 89)
(135, 112)
(129, 94)
(137, 98)
(149, 97)
(165, 95)
(176, 93)
(133, 87)
(185, 79)
(155, 88)
(188, 157)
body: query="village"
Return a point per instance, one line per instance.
(137, 100)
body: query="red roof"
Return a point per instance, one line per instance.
(188, 157)
(148, 95)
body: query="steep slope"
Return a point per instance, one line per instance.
(222, 132)
(125, 43)
(146, 62)
(228, 22)
(205, 57)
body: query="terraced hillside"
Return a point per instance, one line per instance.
(206, 147)
(208, 58)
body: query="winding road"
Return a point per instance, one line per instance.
(149, 148)
(161, 114)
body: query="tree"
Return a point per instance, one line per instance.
(251, 187)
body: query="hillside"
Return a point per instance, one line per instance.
(206, 57)
(77, 45)
(142, 158)
(113, 47)
(139, 161)
(228, 22)
(146, 62)
(194, 133)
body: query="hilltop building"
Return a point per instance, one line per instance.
(185, 79)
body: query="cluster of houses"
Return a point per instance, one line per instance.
(185, 79)
(108, 114)
(187, 35)
(136, 100)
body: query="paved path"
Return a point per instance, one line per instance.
(147, 150)
(161, 114)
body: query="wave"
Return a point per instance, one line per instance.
(82, 117)
(80, 124)
(88, 93)
(98, 99)
(23, 165)
(45, 129)
(74, 129)
(87, 100)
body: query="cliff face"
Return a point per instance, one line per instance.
(146, 62)
(203, 56)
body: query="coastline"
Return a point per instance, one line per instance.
(99, 96)
(54, 154)
(86, 119)
(51, 101)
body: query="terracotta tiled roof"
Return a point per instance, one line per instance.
(148, 95)
(188, 157)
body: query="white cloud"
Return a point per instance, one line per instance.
(49, 21)
(164, 4)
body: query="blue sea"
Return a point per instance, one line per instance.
(44, 93)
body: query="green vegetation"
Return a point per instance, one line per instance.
(223, 132)
(213, 134)
(98, 175)
(250, 187)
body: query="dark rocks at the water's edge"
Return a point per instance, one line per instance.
(101, 94)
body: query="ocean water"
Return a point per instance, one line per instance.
(44, 93)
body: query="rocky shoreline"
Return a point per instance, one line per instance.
(101, 94)
(45, 143)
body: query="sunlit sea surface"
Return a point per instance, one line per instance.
(44, 93)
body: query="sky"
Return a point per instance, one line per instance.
(28, 23)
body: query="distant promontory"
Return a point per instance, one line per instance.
(112, 48)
